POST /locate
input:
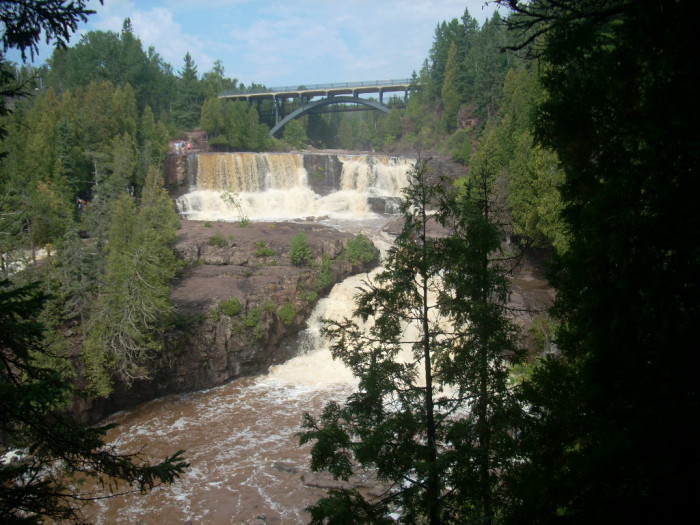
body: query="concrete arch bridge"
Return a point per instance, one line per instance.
(288, 103)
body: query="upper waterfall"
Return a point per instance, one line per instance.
(283, 186)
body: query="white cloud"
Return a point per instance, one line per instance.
(156, 26)
(283, 42)
(311, 41)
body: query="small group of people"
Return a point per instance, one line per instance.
(181, 146)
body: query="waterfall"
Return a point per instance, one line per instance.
(241, 437)
(277, 186)
(249, 172)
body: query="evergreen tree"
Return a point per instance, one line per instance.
(133, 305)
(233, 125)
(487, 65)
(215, 82)
(188, 97)
(294, 134)
(446, 33)
(25, 23)
(214, 120)
(470, 36)
(124, 109)
(431, 417)
(55, 454)
(36, 197)
(77, 276)
(98, 122)
(450, 94)
(608, 439)
(153, 144)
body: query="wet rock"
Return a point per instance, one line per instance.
(324, 173)
(285, 467)
(364, 484)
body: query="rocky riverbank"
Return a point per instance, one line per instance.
(239, 302)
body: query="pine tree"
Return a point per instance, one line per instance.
(55, 455)
(608, 439)
(215, 82)
(431, 414)
(153, 144)
(450, 93)
(77, 276)
(188, 97)
(134, 304)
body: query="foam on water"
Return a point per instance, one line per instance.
(241, 438)
(275, 186)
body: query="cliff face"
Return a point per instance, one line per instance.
(230, 268)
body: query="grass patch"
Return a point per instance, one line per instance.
(254, 320)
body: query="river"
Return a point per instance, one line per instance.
(240, 438)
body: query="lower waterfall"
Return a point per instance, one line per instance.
(240, 438)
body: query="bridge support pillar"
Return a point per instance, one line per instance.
(278, 103)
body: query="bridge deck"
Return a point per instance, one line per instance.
(324, 90)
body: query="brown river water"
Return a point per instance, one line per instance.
(240, 438)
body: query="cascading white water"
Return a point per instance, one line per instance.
(275, 186)
(240, 438)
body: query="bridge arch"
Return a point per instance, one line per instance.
(327, 102)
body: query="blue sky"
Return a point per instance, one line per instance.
(288, 43)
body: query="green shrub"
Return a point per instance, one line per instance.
(325, 274)
(254, 317)
(269, 306)
(231, 307)
(287, 312)
(309, 296)
(263, 250)
(208, 224)
(542, 332)
(300, 252)
(217, 240)
(360, 250)
(259, 331)
(254, 321)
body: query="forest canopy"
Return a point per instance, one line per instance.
(575, 124)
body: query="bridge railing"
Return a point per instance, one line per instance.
(315, 87)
